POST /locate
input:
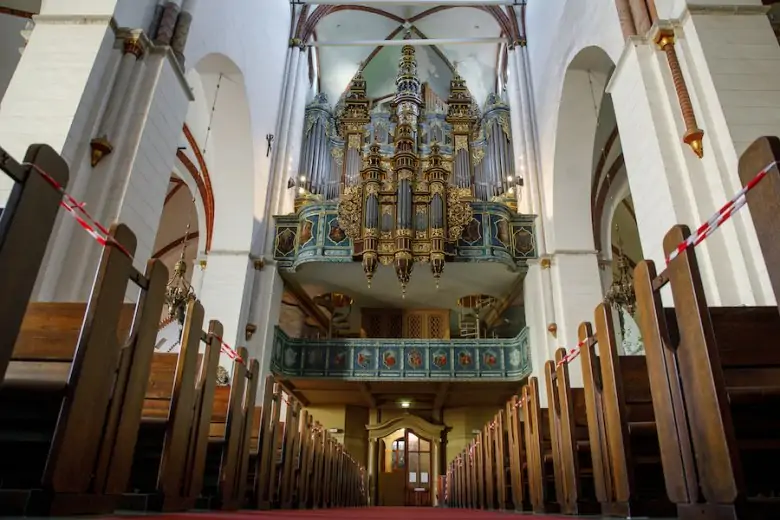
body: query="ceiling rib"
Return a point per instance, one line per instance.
(416, 42)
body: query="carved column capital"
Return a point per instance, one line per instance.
(133, 45)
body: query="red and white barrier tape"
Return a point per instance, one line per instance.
(701, 234)
(78, 211)
(232, 354)
(102, 236)
(721, 216)
(572, 354)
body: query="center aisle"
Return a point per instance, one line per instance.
(366, 513)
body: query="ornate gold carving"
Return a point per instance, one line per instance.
(477, 154)
(310, 120)
(134, 46)
(350, 211)
(355, 142)
(337, 152)
(503, 122)
(421, 248)
(459, 212)
(461, 143)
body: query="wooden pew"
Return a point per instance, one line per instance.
(619, 398)
(242, 423)
(539, 452)
(576, 479)
(231, 432)
(73, 404)
(518, 467)
(172, 434)
(26, 224)
(715, 373)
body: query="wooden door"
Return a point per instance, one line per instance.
(392, 484)
(419, 464)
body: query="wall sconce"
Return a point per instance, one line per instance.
(405, 404)
(552, 328)
(259, 264)
(251, 328)
(545, 263)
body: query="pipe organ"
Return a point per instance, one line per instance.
(406, 171)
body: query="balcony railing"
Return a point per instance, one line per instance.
(402, 359)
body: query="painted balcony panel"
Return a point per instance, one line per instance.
(402, 359)
(494, 234)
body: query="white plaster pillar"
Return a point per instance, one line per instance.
(538, 317)
(295, 139)
(516, 114)
(281, 150)
(128, 185)
(47, 100)
(117, 95)
(266, 303)
(733, 83)
(577, 286)
(655, 160)
(225, 294)
(541, 343)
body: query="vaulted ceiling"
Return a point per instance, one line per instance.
(478, 63)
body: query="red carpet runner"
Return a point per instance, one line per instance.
(370, 513)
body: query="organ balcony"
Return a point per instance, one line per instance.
(402, 359)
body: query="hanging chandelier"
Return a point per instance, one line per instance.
(620, 294)
(179, 292)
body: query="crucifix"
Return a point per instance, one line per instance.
(270, 139)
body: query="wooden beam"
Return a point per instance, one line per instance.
(438, 402)
(289, 388)
(365, 389)
(307, 304)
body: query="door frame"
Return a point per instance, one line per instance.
(422, 428)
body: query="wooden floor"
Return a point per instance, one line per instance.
(370, 513)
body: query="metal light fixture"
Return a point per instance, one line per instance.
(620, 294)
(179, 292)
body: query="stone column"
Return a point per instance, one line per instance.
(543, 341)
(281, 151)
(577, 286)
(435, 472)
(516, 113)
(63, 64)
(677, 186)
(295, 139)
(67, 64)
(167, 25)
(103, 143)
(372, 470)
(737, 98)
(182, 30)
